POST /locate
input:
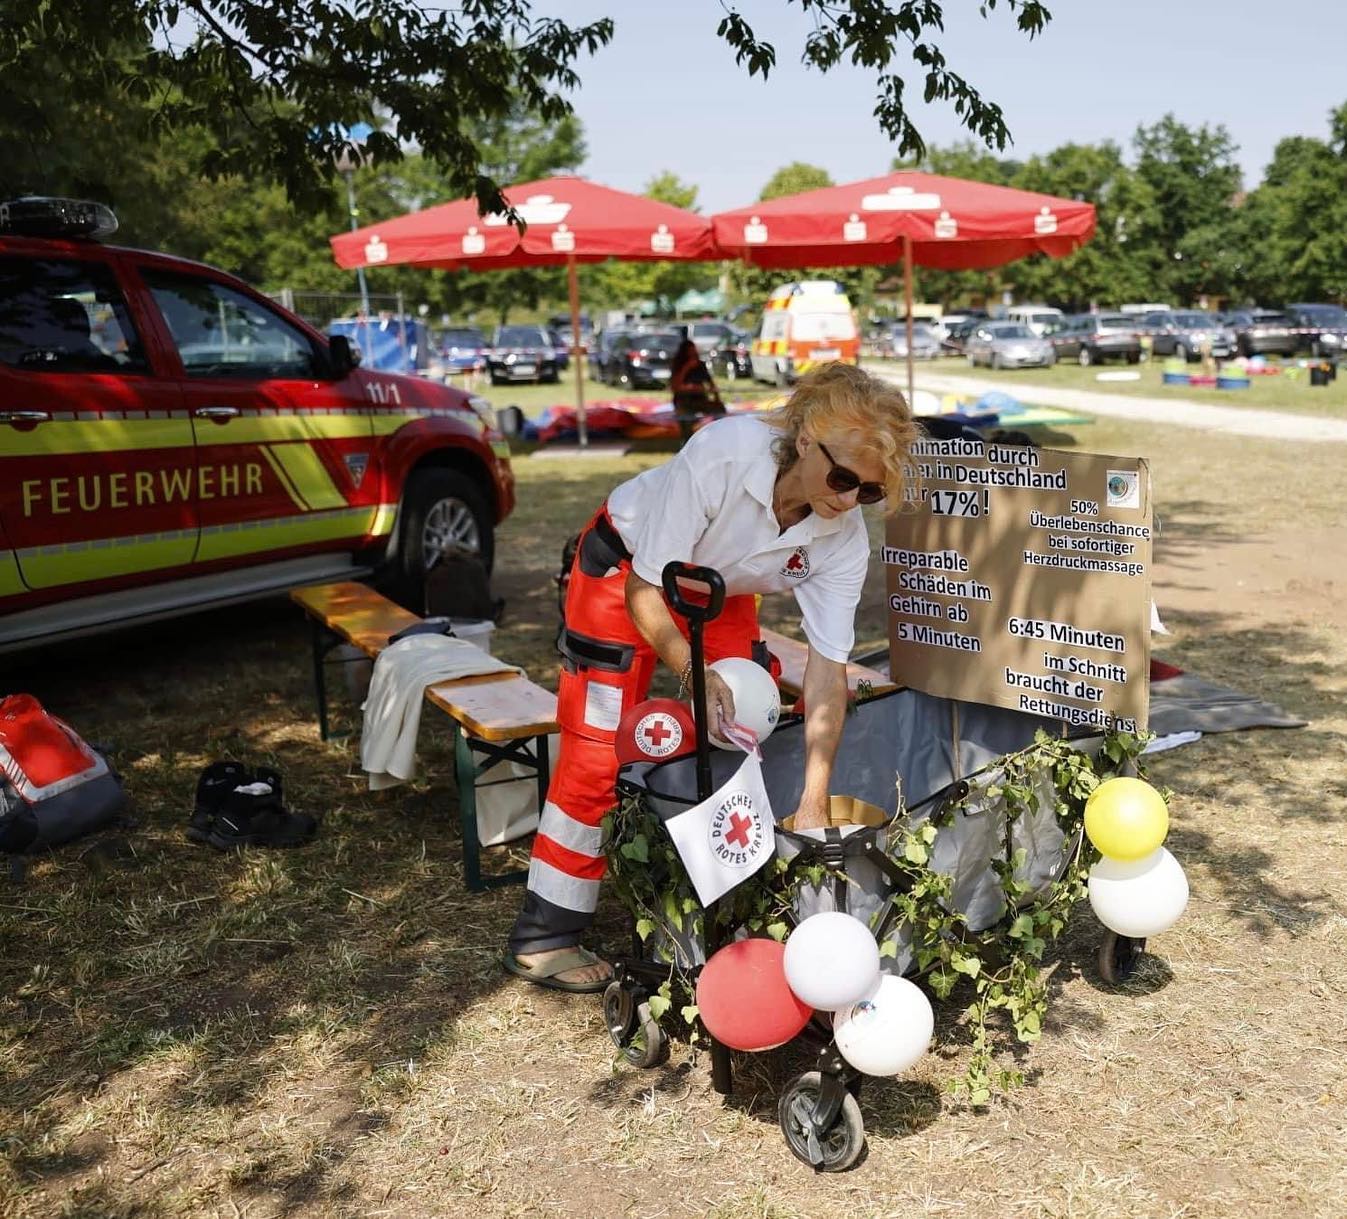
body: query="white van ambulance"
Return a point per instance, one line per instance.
(803, 325)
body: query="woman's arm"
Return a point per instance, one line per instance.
(825, 702)
(645, 604)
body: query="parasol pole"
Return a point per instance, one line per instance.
(907, 293)
(577, 353)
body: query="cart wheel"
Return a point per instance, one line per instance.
(647, 1046)
(841, 1144)
(619, 1013)
(1118, 957)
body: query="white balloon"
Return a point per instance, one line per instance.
(757, 703)
(832, 960)
(1139, 897)
(888, 1031)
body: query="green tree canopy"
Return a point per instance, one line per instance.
(277, 83)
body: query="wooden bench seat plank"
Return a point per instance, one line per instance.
(500, 710)
(361, 616)
(793, 654)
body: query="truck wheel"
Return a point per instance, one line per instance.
(442, 510)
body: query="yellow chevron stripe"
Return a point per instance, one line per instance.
(284, 475)
(96, 436)
(308, 475)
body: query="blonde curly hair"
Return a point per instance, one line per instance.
(843, 402)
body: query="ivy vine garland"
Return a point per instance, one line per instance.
(1000, 967)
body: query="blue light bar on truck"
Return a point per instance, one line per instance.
(45, 216)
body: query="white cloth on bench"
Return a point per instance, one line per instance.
(396, 691)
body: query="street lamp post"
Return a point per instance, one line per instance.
(346, 165)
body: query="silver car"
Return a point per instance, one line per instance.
(925, 342)
(1008, 345)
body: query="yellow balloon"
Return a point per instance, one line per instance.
(1126, 818)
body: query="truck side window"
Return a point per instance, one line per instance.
(222, 333)
(62, 315)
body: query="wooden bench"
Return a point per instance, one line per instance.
(502, 717)
(793, 654)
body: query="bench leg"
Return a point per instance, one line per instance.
(468, 772)
(320, 650)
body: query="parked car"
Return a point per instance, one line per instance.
(1007, 345)
(601, 350)
(1037, 317)
(522, 353)
(642, 360)
(1263, 332)
(1092, 338)
(172, 440)
(1186, 333)
(463, 349)
(709, 336)
(1321, 329)
(925, 341)
(732, 358)
(561, 347)
(956, 334)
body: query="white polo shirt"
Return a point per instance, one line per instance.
(712, 505)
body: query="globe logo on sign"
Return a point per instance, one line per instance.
(375, 249)
(473, 241)
(755, 232)
(662, 241)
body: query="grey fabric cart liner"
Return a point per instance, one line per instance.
(930, 744)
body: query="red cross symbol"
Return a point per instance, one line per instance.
(738, 832)
(795, 562)
(656, 733)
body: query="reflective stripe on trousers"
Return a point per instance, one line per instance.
(568, 861)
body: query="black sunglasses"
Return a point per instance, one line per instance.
(842, 480)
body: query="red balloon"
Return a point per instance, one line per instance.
(744, 999)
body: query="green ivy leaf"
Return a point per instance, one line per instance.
(915, 852)
(644, 927)
(690, 1013)
(964, 964)
(638, 849)
(889, 948)
(777, 931)
(659, 1006)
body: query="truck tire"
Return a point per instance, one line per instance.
(440, 509)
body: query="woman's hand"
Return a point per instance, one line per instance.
(719, 702)
(812, 814)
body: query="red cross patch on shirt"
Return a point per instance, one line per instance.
(796, 567)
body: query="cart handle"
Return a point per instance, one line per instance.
(674, 571)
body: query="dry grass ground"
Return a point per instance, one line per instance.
(325, 1032)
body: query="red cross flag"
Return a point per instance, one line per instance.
(724, 840)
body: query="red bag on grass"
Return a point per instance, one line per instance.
(55, 787)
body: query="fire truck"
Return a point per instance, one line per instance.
(171, 439)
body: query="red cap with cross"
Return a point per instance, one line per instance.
(655, 731)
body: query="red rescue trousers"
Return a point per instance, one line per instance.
(608, 670)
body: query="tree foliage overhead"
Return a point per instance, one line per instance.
(277, 83)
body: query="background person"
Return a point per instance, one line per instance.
(768, 501)
(692, 386)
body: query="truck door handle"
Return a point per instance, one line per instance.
(25, 416)
(218, 413)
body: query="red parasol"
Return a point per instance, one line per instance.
(923, 218)
(568, 221)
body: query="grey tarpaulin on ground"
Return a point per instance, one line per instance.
(930, 743)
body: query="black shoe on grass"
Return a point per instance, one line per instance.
(214, 784)
(251, 817)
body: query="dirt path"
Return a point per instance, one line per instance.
(1273, 425)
